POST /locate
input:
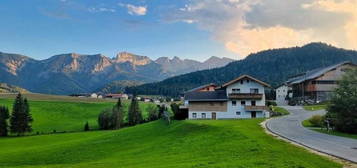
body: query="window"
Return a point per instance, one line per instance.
(238, 112)
(203, 115)
(194, 115)
(241, 82)
(242, 103)
(247, 80)
(234, 103)
(254, 90)
(253, 103)
(235, 90)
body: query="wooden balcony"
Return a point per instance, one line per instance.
(254, 96)
(255, 108)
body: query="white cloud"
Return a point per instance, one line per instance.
(246, 26)
(135, 10)
(95, 10)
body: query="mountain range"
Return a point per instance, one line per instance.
(78, 73)
(272, 66)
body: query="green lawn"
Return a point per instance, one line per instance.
(183, 144)
(280, 110)
(66, 115)
(306, 123)
(315, 107)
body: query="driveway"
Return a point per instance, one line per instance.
(290, 127)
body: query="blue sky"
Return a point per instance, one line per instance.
(40, 29)
(194, 29)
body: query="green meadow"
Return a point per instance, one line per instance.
(65, 115)
(183, 144)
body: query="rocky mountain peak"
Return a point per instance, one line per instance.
(132, 58)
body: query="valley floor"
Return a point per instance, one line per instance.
(200, 143)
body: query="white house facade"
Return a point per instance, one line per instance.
(281, 94)
(243, 97)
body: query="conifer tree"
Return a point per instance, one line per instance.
(4, 116)
(20, 120)
(117, 115)
(134, 114)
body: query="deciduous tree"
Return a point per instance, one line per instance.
(342, 111)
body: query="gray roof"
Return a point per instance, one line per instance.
(218, 95)
(312, 74)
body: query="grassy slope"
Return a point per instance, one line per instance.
(315, 107)
(306, 123)
(203, 143)
(280, 110)
(66, 115)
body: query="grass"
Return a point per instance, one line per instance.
(306, 123)
(315, 107)
(280, 110)
(183, 144)
(66, 115)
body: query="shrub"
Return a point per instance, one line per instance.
(317, 121)
(270, 103)
(86, 126)
(178, 114)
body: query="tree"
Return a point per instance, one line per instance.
(153, 112)
(178, 114)
(20, 120)
(134, 114)
(4, 116)
(342, 110)
(105, 119)
(162, 109)
(86, 126)
(117, 115)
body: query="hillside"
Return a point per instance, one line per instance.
(272, 66)
(65, 115)
(118, 86)
(6, 88)
(78, 73)
(183, 144)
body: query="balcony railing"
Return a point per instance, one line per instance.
(245, 96)
(255, 108)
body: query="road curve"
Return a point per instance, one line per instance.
(290, 127)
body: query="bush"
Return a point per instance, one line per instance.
(105, 119)
(178, 114)
(270, 103)
(317, 121)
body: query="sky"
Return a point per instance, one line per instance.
(191, 29)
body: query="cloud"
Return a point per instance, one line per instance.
(246, 26)
(135, 10)
(96, 10)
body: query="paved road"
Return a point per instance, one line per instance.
(290, 127)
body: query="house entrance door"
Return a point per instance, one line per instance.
(213, 116)
(253, 114)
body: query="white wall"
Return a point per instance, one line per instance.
(244, 88)
(281, 93)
